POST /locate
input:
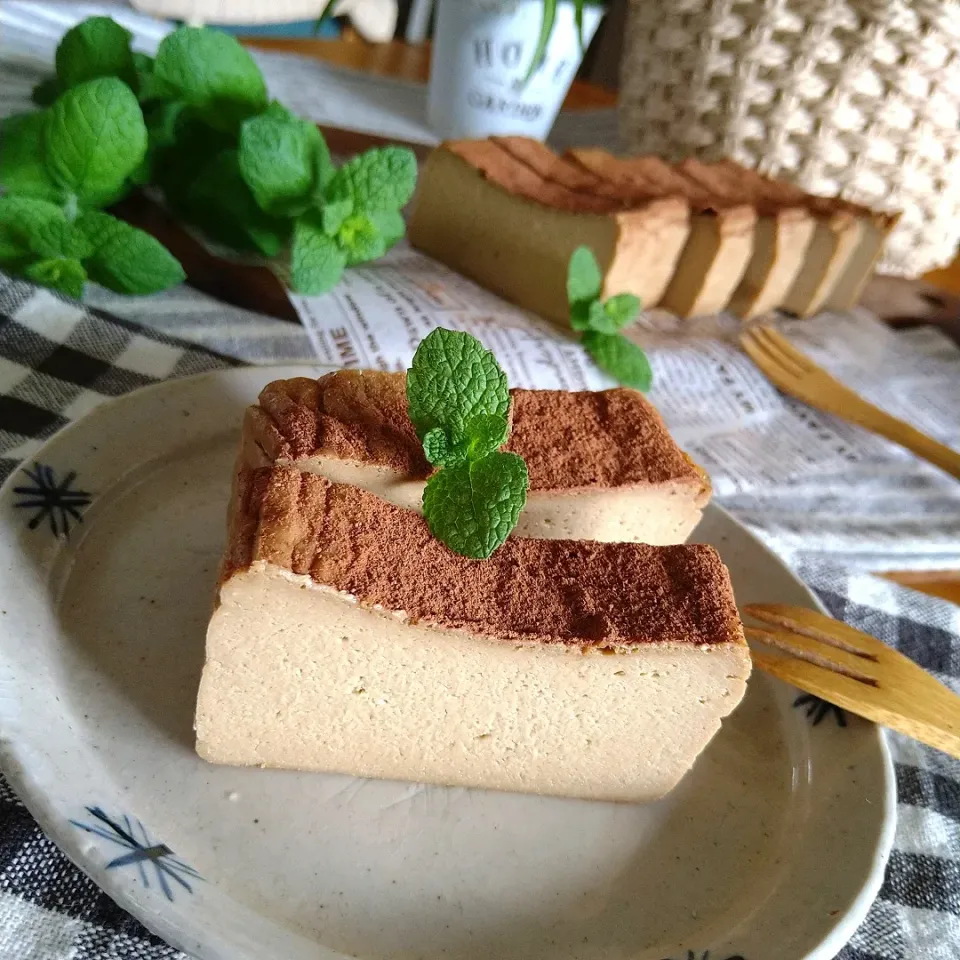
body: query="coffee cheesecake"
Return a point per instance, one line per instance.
(602, 465)
(494, 217)
(691, 237)
(347, 639)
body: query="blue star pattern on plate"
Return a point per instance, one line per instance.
(817, 709)
(51, 499)
(143, 853)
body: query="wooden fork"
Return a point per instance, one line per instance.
(855, 671)
(795, 373)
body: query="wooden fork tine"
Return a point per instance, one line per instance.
(774, 347)
(810, 623)
(816, 651)
(767, 356)
(823, 682)
(777, 339)
(771, 366)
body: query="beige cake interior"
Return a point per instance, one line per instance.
(779, 250)
(299, 675)
(662, 515)
(834, 242)
(712, 264)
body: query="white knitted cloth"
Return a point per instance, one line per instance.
(853, 97)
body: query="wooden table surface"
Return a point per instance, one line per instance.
(404, 62)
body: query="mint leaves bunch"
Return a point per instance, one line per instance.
(59, 166)
(197, 123)
(459, 403)
(354, 217)
(601, 320)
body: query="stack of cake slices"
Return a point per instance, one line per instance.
(593, 655)
(693, 238)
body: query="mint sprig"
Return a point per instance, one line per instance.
(194, 121)
(600, 322)
(458, 401)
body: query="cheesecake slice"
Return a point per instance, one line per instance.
(492, 216)
(837, 236)
(721, 239)
(783, 233)
(347, 639)
(602, 465)
(874, 230)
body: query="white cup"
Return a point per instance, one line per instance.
(482, 51)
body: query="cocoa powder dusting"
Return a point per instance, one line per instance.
(548, 591)
(570, 441)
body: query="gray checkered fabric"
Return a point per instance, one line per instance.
(59, 358)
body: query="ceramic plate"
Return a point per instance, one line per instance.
(772, 847)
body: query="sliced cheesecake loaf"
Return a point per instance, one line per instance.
(602, 465)
(492, 216)
(720, 244)
(347, 639)
(694, 238)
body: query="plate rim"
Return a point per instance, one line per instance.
(14, 755)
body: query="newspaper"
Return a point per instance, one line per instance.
(756, 443)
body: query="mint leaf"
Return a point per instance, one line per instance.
(485, 434)
(210, 70)
(60, 239)
(46, 91)
(126, 259)
(94, 138)
(584, 280)
(12, 246)
(619, 310)
(439, 451)
(22, 170)
(619, 357)
(39, 227)
(21, 218)
(337, 203)
(149, 86)
(161, 120)
(481, 436)
(96, 47)
(315, 259)
(382, 179)
(359, 238)
(587, 315)
(391, 226)
(63, 274)
(474, 506)
(219, 201)
(452, 380)
(279, 160)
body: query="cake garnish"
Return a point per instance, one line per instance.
(459, 403)
(600, 321)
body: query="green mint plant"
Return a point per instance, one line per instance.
(196, 122)
(58, 167)
(459, 403)
(600, 321)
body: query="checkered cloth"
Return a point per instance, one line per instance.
(59, 358)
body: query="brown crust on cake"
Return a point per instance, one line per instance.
(501, 167)
(532, 591)
(570, 441)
